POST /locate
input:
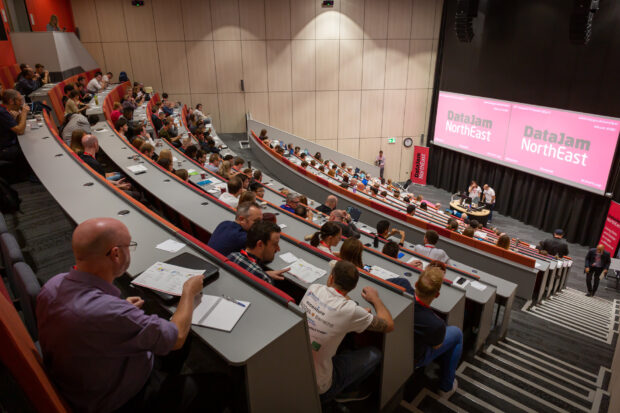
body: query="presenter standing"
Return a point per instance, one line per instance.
(380, 162)
(474, 192)
(488, 197)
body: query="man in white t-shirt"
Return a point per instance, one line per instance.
(235, 187)
(488, 197)
(474, 192)
(331, 315)
(95, 84)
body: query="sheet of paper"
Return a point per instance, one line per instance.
(382, 273)
(532, 246)
(288, 257)
(478, 285)
(214, 191)
(137, 168)
(222, 185)
(412, 259)
(174, 159)
(217, 312)
(192, 172)
(282, 226)
(165, 278)
(203, 182)
(306, 272)
(170, 245)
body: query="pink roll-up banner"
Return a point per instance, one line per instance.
(610, 237)
(419, 171)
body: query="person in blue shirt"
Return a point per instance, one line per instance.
(292, 201)
(231, 236)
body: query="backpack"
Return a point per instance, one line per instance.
(9, 199)
(122, 77)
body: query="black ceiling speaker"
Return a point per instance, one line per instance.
(580, 27)
(466, 11)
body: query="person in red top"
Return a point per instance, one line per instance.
(116, 113)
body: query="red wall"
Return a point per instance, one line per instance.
(40, 11)
(7, 57)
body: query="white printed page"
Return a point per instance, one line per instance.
(306, 272)
(165, 278)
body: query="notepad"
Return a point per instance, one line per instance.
(305, 271)
(192, 172)
(203, 182)
(478, 285)
(170, 245)
(288, 257)
(217, 312)
(382, 273)
(166, 278)
(137, 168)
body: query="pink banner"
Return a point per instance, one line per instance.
(419, 171)
(610, 237)
(559, 144)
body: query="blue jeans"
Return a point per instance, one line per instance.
(350, 369)
(448, 354)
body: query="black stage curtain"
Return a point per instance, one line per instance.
(535, 201)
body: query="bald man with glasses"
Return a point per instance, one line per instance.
(104, 352)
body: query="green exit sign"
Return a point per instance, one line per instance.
(391, 140)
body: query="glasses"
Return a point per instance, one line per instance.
(132, 247)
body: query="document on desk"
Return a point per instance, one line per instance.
(288, 257)
(478, 285)
(170, 245)
(166, 278)
(305, 271)
(217, 312)
(382, 273)
(137, 168)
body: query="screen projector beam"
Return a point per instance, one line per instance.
(576, 149)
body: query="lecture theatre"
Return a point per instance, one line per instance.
(309, 206)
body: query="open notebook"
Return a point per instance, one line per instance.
(217, 312)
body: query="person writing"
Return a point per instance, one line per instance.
(597, 265)
(331, 315)
(102, 351)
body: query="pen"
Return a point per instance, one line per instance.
(233, 300)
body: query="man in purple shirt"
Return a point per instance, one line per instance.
(100, 349)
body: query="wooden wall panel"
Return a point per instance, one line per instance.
(349, 147)
(373, 72)
(174, 75)
(406, 163)
(369, 149)
(252, 19)
(277, 19)
(423, 19)
(351, 19)
(349, 108)
(168, 20)
(117, 59)
(399, 19)
(327, 21)
(197, 19)
(376, 19)
(85, 18)
(351, 64)
(279, 65)
(415, 112)
(437, 20)
(302, 19)
(201, 66)
(371, 113)
(228, 66)
(397, 63)
(225, 19)
(281, 110)
(329, 143)
(254, 55)
(419, 64)
(327, 61)
(303, 64)
(111, 24)
(96, 51)
(179, 97)
(393, 112)
(232, 112)
(210, 106)
(391, 151)
(139, 22)
(258, 105)
(304, 114)
(326, 115)
(145, 64)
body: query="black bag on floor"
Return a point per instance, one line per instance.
(9, 199)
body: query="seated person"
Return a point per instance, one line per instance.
(148, 150)
(329, 236)
(42, 75)
(13, 113)
(27, 83)
(429, 250)
(292, 200)
(90, 143)
(167, 134)
(235, 187)
(77, 121)
(182, 173)
(339, 375)
(257, 188)
(231, 236)
(343, 219)
(95, 84)
(331, 202)
(103, 352)
(301, 211)
(214, 163)
(411, 210)
(263, 136)
(156, 118)
(122, 127)
(503, 242)
(73, 104)
(469, 232)
(262, 243)
(201, 157)
(432, 338)
(384, 232)
(238, 164)
(452, 225)
(391, 249)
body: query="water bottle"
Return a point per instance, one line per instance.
(96, 100)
